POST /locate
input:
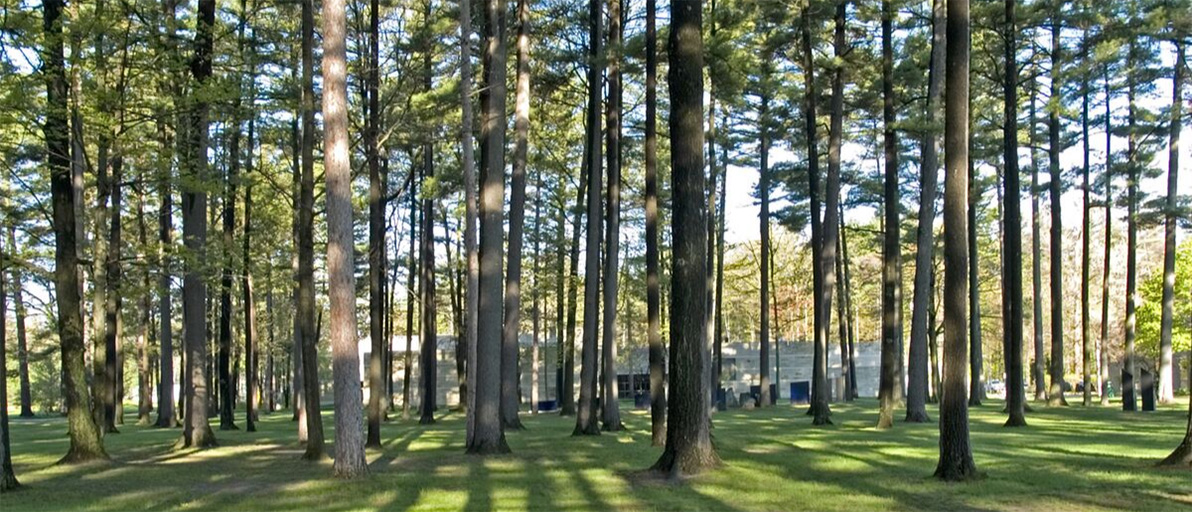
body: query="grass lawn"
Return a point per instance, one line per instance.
(1068, 459)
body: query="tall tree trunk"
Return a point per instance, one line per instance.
(610, 410)
(1055, 395)
(428, 343)
(428, 346)
(826, 259)
(1108, 178)
(86, 443)
(560, 301)
(167, 417)
(102, 360)
(810, 96)
(1036, 255)
(568, 406)
(251, 353)
(1012, 230)
(411, 299)
(956, 455)
(689, 447)
(842, 327)
(470, 215)
(18, 297)
(487, 436)
(1132, 178)
(657, 354)
(510, 369)
(376, 235)
(297, 383)
(585, 419)
(391, 297)
(933, 343)
(763, 190)
(536, 311)
(976, 356)
(270, 375)
(196, 432)
(144, 317)
(306, 310)
(8, 478)
(713, 174)
(917, 388)
(889, 392)
(1166, 373)
(227, 381)
(1086, 334)
(718, 327)
(850, 311)
(341, 276)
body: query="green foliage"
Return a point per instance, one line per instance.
(1150, 308)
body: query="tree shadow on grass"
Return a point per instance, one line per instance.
(480, 489)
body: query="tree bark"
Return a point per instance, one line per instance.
(251, 353)
(1036, 255)
(826, 259)
(1086, 334)
(689, 447)
(102, 359)
(536, 308)
(1012, 230)
(956, 456)
(411, 299)
(976, 356)
(1104, 355)
(167, 417)
(18, 297)
(144, 317)
(297, 382)
(196, 432)
(470, 216)
(586, 419)
(306, 310)
(610, 409)
(510, 369)
(487, 436)
(1055, 394)
(270, 372)
(1166, 372)
(8, 478)
(1132, 178)
(889, 392)
(379, 343)
(917, 389)
(657, 354)
(820, 316)
(763, 190)
(850, 311)
(341, 276)
(428, 343)
(568, 406)
(227, 381)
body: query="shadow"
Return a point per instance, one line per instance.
(480, 491)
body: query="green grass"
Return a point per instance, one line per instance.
(1068, 459)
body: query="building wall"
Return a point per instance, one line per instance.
(790, 362)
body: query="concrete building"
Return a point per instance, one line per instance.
(791, 368)
(447, 381)
(791, 365)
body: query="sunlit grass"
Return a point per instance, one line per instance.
(1068, 459)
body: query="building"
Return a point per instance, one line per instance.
(447, 379)
(791, 369)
